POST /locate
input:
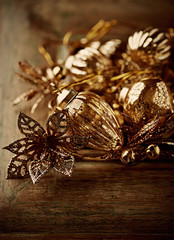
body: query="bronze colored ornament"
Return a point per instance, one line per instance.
(89, 61)
(128, 156)
(40, 150)
(146, 99)
(153, 151)
(95, 60)
(92, 116)
(146, 49)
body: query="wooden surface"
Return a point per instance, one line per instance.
(100, 200)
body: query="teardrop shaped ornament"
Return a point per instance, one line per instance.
(91, 116)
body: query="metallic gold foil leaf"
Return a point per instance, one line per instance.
(18, 167)
(73, 142)
(139, 138)
(21, 146)
(64, 162)
(38, 167)
(58, 123)
(41, 150)
(29, 126)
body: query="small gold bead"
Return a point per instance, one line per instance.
(152, 151)
(128, 156)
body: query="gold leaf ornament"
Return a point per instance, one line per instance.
(41, 149)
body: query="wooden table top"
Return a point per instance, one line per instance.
(101, 200)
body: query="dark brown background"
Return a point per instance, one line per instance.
(100, 200)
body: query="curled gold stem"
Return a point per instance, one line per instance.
(46, 55)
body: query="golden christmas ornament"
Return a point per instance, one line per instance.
(91, 115)
(146, 49)
(88, 61)
(147, 99)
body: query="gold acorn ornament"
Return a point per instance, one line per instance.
(146, 55)
(95, 61)
(146, 99)
(86, 61)
(145, 50)
(91, 115)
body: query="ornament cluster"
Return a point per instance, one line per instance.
(108, 100)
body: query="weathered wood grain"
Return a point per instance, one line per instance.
(101, 200)
(85, 237)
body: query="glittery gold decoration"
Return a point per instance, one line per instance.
(89, 61)
(147, 99)
(86, 61)
(95, 59)
(40, 150)
(146, 49)
(130, 118)
(92, 116)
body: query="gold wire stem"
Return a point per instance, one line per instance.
(66, 38)
(80, 81)
(122, 77)
(46, 55)
(128, 74)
